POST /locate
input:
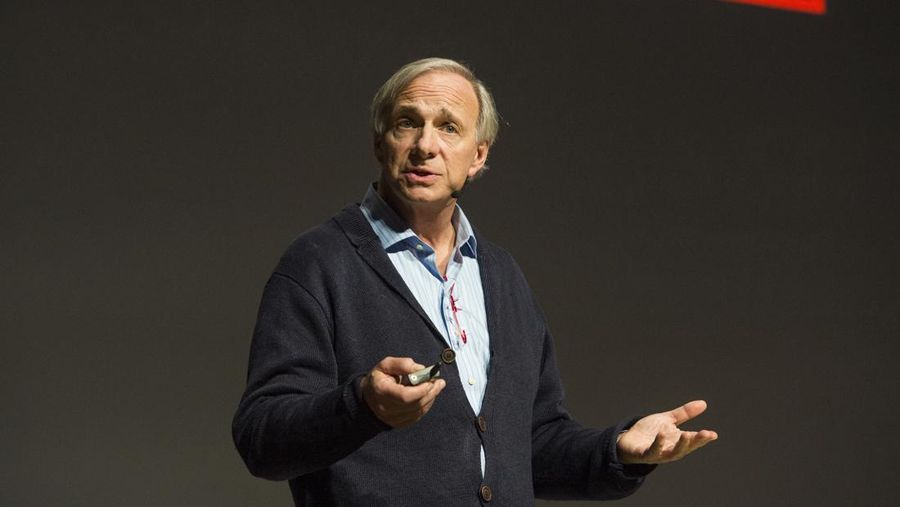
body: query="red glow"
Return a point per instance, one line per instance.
(808, 6)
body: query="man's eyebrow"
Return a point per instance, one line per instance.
(444, 113)
(405, 110)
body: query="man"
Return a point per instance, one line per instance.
(395, 284)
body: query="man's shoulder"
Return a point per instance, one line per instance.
(495, 255)
(329, 243)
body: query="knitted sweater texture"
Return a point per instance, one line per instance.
(333, 308)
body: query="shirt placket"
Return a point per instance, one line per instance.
(449, 297)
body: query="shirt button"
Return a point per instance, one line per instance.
(482, 423)
(471, 381)
(448, 356)
(486, 494)
(419, 247)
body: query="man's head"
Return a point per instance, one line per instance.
(382, 105)
(433, 124)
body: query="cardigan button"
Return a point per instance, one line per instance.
(448, 356)
(486, 494)
(482, 423)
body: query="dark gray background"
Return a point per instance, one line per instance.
(702, 194)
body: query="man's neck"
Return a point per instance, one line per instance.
(433, 223)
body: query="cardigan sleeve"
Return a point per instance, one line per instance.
(570, 461)
(296, 416)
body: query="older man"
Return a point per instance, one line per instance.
(395, 284)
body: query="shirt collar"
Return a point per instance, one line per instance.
(392, 230)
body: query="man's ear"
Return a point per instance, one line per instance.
(481, 154)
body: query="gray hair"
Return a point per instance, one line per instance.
(488, 123)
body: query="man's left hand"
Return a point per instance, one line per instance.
(657, 438)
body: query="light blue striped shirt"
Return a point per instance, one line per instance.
(455, 303)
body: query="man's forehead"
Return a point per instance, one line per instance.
(445, 88)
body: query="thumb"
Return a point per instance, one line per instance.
(398, 365)
(688, 411)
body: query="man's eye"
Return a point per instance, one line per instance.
(404, 123)
(450, 128)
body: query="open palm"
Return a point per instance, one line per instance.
(657, 439)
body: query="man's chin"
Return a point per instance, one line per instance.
(419, 195)
(423, 194)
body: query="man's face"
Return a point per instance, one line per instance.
(430, 147)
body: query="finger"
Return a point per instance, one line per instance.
(429, 397)
(384, 384)
(687, 411)
(656, 448)
(416, 409)
(381, 380)
(398, 415)
(665, 447)
(409, 413)
(693, 440)
(426, 408)
(698, 440)
(708, 435)
(701, 438)
(398, 365)
(413, 395)
(427, 402)
(403, 395)
(683, 446)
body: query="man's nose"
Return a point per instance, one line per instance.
(426, 142)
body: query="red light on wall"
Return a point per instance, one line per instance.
(807, 6)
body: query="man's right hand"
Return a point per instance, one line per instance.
(398, 405)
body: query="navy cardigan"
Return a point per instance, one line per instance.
(331, 310)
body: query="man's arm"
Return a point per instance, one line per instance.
(570, 461)
(296, 415)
